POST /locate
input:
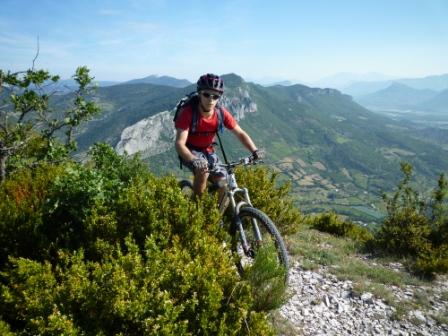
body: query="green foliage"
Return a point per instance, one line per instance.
(415, 227)
(433, 260)
(439, 206)
(107, 248)
(405, 232)
(267, 279)
(331, 223)
(24, 196)
(271, 198)
(5, 329)
(29, 126)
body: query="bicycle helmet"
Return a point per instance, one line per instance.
(210, 82)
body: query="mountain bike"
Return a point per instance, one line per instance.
(252, 232)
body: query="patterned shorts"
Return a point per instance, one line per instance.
(212, 159)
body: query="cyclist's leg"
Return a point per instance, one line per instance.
(218, 176)
(200, 177)
(200, 182)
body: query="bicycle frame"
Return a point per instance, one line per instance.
(232, 190)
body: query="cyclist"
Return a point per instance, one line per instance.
(195, 147)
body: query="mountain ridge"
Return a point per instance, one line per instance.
(396, 95)
(438, 103)
(160, 80)
(433, 82)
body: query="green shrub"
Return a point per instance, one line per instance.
(271, 198)
(169, 291)
(267, 280)
(331, 223)
(23, 196)
(415, 227)
(108, 248)
(439, 212)
(432, 261)
(5, 330)
(404, 233)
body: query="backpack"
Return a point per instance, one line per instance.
(193, 100)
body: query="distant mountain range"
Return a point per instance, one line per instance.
(398, 96)
(438, 103)
(337, 154)
(161, 80)
(434, 83)
(65, 86)
(343, 80)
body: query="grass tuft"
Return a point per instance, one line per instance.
(267, 279)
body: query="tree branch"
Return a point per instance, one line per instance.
(25, 112)
(13, 148)
(37, 53)
(3, 127)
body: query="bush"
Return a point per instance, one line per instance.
(5, 329)
(107, 248)
(432, 261)
(267, 279)
(135, 292)
(404, 232)
(23, 198)
(331, 223)
(416, 228)
(271, 198)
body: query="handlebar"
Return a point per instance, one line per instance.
(250, 160)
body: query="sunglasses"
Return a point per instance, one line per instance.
(209, 95)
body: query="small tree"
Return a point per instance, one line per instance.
(406, 229)
(417, 228)
(28, 124)
(439, 209)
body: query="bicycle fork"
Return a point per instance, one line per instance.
(239, 225)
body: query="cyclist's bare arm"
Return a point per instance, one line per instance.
(244, 138)
(181, 145)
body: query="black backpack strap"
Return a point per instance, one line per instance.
(222, 149)
(220, 120)
(194, 118)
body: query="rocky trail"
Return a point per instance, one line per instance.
(320, 304)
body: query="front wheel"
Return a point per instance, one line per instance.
(266, 251)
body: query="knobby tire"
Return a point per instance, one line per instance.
(268, 231)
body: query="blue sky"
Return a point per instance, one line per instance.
(296, 40)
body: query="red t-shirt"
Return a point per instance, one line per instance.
(210, 126)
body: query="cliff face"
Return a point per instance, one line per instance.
(149, 136)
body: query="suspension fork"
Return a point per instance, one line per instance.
(237, 220)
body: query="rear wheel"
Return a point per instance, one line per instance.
(266, 251)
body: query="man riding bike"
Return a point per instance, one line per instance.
(195, 146)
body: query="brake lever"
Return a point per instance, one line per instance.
(251, 160)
